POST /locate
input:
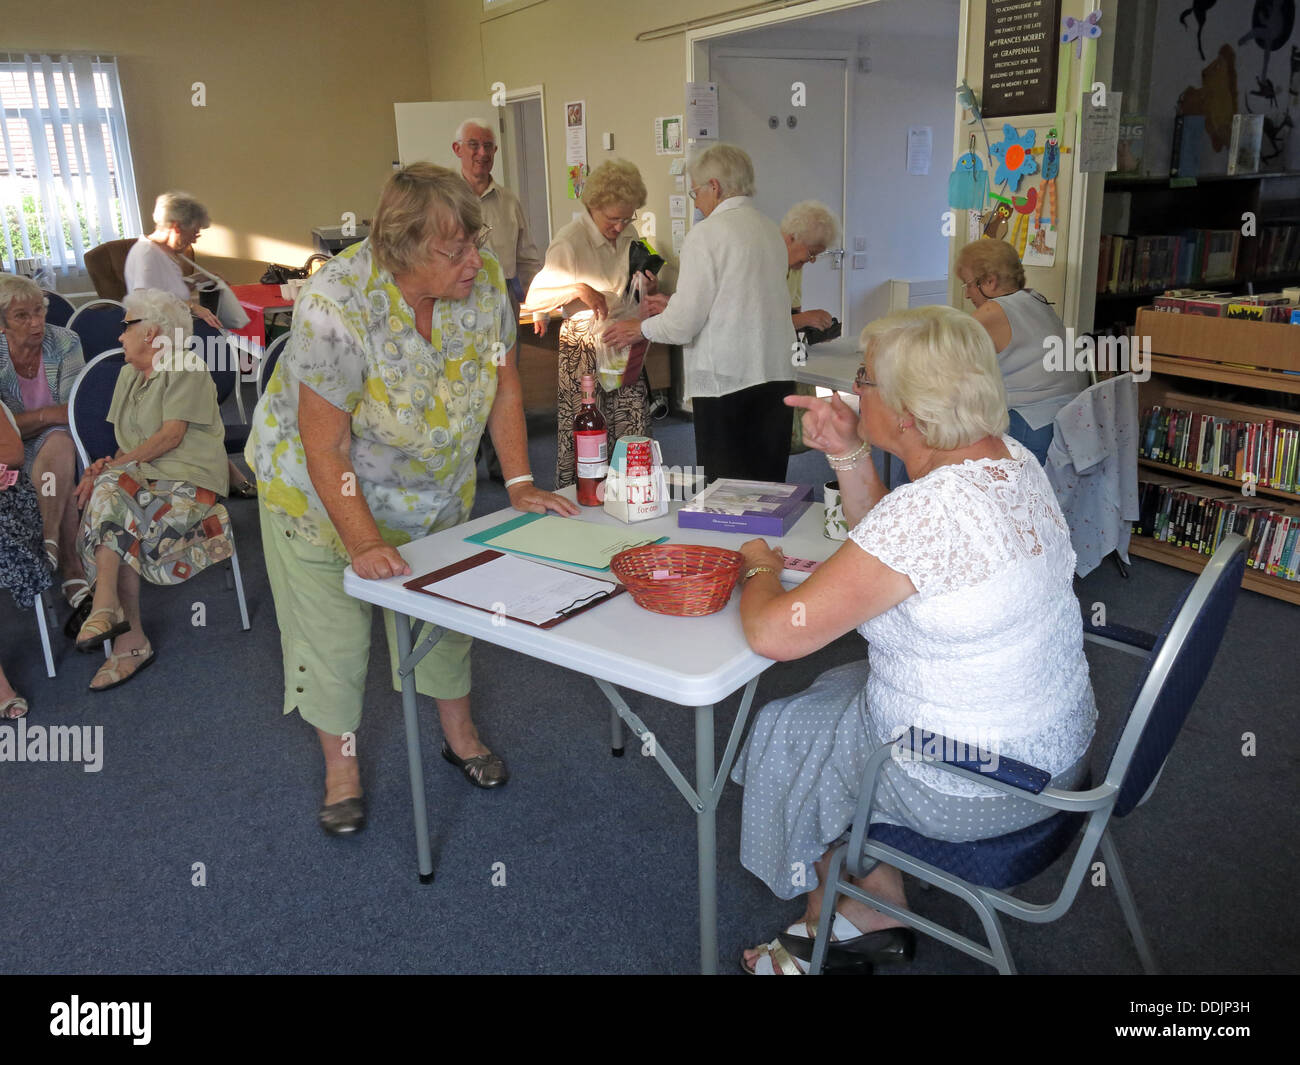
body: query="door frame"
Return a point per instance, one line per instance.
(537, 92)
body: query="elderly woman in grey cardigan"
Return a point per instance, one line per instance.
(38, 364)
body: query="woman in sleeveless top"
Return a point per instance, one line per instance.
(1020, 322)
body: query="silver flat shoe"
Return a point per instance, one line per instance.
(483, 770)
(343, 817)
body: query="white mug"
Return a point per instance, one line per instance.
(834, 525)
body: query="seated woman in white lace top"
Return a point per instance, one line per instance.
(961, 583)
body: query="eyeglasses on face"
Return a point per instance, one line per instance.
(861, 380)
(616, 221)
(480, 239)
(474, 146)
(131, 321)
(691, 191)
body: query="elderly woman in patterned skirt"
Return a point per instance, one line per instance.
(402, 352)
(151, 510)
(24, 569)
(38, 364)
(586, 272)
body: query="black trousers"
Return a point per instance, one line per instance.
(744, 435)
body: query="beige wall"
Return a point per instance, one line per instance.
(298, 126)
(578, 50)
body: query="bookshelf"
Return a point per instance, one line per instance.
(1151, 207)
(1236, 371)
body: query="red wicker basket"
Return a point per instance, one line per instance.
(687, 580)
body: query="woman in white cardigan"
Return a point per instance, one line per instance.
(731, 315)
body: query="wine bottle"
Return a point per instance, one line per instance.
(590, 446)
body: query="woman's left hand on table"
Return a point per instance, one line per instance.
(757, 553)
(528, 497)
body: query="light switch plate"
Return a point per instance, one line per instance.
(859, 262)
(859, 243)
(607, 140)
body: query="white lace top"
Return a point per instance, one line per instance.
(990, 649)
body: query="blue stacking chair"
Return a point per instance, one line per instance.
(267, 366)
(99, 325)
(88, 403)
(225, 375)
(1178, 660)
(58, 311)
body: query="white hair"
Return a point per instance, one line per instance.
(180, 208)
(460, 130)
(938, 365)
(726, 164)
(157, 308)
(811, 224)
(14, 288)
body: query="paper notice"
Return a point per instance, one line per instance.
(702, 110)
(1099, 139)
(920, 140)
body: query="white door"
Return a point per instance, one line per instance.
(425, 131)
(524, 170)
(798, 152)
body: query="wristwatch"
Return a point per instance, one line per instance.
(757, 569)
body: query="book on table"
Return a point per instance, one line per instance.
(758, 508)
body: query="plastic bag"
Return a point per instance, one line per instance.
(612, 364)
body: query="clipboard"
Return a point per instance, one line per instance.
(562, 613)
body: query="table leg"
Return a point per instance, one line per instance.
(706, 841)
(414, 755)
(615, 733)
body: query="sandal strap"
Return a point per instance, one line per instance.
(781, 958)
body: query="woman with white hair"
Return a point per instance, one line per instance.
(39, 364)
(808, 229)
(152, 509)
(586, 272)
(961, 583)
(161, 261)
(731, 315)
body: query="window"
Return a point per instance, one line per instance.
(66, 182)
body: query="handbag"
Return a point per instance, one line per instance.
(276, 274)
(229, 312)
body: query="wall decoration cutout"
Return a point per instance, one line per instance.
(1073, 29)
(968, 184)
(1012, 156)
(995, 222)
(1215, 97)
(1199, 8)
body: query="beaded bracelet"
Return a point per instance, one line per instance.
(847, 462)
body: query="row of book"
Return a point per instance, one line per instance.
(1197, 517)
(1265, 307)
(1128, 265)
(1266, 452)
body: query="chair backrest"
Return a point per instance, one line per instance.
(1176, 670)
(59, 310)
(88, 403)
(99, 325)
(269, 359)
(106, 265)
(225, 367)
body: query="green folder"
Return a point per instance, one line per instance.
(556, 539)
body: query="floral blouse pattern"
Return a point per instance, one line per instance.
(418, 407)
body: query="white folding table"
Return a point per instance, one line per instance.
(695, 662)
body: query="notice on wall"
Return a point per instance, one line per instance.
(668, 135)
(679, 234)
(1099, 139)
(1020, 50)
(702, 110)
(575, 132)
(676, 206)
(920, 140)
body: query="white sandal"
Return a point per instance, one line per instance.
(52, 553)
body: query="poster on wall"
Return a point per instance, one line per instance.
(668, 135)
(702, 110)
(575, 145)
(1020, 50)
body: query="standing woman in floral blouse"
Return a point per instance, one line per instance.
(402, 351)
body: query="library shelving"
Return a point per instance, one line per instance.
(1240, 373)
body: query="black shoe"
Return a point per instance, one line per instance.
(343, 817)
(875, 948)
(483, 771)
(244, 490)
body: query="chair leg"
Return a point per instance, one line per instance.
(1127, 905)
(45, 634)
(997, 939)
(239, 396)
(239, 587)
(830, 892)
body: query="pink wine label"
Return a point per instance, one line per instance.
(592, 447)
